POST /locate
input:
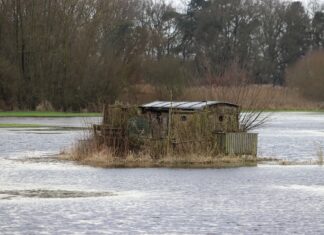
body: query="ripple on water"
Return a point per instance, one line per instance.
(260, 200)
(318, 189)
(45, 193)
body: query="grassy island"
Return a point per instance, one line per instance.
(105, 159)
(146, 136)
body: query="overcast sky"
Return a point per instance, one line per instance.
(180, 3)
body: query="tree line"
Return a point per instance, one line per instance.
(80, 53)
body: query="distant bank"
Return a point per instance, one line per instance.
(47, 114)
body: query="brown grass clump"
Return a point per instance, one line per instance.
(86, 152)
(320, 157)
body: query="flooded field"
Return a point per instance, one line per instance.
(292, 136)
(40, 194)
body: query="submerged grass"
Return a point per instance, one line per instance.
(51, 127)
(47, 114)
(320, 157)
(20, 125)
(286, 162)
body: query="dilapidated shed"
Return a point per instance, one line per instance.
(164, 127)
(223, 116)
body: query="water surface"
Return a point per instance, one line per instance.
(292, 135)
(42, 195)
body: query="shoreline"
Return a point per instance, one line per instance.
(37, 114)
(107, 161)
(184, 162)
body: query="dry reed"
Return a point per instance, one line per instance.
(88, 152)
(105, 158)
(264, 97)
(320, 157)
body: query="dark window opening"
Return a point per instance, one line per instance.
(221, 118)
(183, 118)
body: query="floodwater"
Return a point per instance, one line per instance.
(292, 136)
(41, 195)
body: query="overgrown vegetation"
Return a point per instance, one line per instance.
(87, 152)
(79, 54)
(129, 138)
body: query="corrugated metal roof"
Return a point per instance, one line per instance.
(199, 105)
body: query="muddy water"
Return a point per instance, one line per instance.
(42, 195)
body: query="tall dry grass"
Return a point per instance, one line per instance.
(262, 97)
(320, 156)
(235, 86)
(103, 157)
(89, 152)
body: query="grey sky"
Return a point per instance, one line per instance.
(180, 3)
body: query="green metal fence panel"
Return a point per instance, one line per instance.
(237, 143)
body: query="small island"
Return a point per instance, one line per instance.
(201, 134)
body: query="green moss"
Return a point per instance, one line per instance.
(47, 114)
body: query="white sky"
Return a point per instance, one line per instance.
(179, 3)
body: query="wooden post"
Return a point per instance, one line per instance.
(169, 126)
